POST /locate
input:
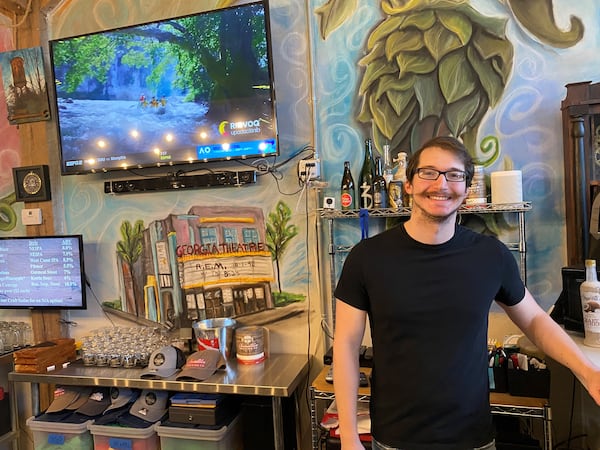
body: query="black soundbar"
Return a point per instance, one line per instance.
(176, 182)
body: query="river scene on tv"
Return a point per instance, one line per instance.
(159, 92)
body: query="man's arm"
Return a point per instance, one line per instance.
(551, 339)
(349, 331)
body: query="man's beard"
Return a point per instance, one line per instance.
(433, 218)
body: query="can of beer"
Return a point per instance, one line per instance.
(250, 345)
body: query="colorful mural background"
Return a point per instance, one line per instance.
(99, 216)
(24, 84)
(525, 121)
(9, 150)
(321, 109)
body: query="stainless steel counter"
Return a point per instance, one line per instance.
(278, 376)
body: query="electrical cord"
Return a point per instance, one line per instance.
(88, 284)
(326, 329)
(308, 309)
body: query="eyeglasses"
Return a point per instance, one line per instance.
(433, 174)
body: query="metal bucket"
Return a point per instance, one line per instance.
(216, 333)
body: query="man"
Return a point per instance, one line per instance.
(427, 286)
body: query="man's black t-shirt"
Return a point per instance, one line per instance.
(428, 308)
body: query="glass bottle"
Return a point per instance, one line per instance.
(348, 191)
(388, 173)
(477, 193)
(367, 174)
(590, 304)
(380, 194)
(396, 193)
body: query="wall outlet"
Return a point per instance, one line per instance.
(32, 216)
(309, 169)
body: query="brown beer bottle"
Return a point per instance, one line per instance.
(348, 191)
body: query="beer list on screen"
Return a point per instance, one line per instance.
(40, 272)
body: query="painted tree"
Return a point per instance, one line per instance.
(129, 249)
(279, 234)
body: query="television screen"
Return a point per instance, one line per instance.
(42, 272)
(183, 90)
(568, 310)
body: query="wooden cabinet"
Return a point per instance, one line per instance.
(581, 145)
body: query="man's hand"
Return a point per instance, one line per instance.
(591, 382)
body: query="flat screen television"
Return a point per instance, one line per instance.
(190, 89)
(42, 272)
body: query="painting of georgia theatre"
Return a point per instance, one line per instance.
(209, 262)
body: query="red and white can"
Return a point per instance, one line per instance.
(250, 345)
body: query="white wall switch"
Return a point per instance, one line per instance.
(32, 216)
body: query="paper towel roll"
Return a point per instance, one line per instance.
(507, 186)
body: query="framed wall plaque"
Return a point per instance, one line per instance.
(32, 183)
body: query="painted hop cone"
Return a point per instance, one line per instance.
(433, 67)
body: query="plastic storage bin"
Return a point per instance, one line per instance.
(116, 437)
(55, 435)
(228, 437)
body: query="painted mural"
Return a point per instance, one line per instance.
(491, 71)
(436, 67)
(132, 241)
(24, 82)
(9, 149)
(209, 262)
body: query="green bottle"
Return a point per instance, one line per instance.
(367, 176)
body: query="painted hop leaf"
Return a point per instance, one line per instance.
(333, 14)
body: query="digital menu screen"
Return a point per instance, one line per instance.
(42, 272)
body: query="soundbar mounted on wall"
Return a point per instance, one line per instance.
(176, 182)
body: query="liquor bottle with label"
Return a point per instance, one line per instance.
(396, 193)
(380, 193)
(590, 304)
(388, 173)
(477, 193)
(367, 174)
(348, 191)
